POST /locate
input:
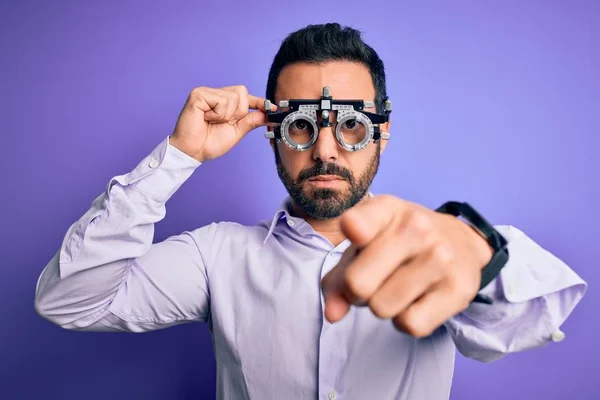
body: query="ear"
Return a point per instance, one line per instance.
(385, 128)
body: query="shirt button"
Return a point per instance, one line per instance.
(291, 222)
(558, 336)
(331, 395)
(153, 164)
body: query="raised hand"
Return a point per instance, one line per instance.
(214, 120)
(407, 263)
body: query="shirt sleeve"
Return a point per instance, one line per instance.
(108, 275)
(533, 295)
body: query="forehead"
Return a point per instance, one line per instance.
(347, 80)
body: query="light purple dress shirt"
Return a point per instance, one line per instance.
(258, 288)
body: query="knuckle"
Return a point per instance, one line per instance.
(357, 286)
(242, 90)
(413, 325)
(235, 93)
(243, 104)
(384, 198)
(421, 223)
(437, 271)
(198, 91)
(234, 97)
(443, 254)
(380, 308)
(386, 201)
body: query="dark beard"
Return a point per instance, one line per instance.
(328, 203)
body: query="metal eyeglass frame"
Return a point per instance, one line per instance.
(308, 110)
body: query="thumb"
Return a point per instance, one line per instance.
(251, 121)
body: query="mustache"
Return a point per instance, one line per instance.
(325, 169)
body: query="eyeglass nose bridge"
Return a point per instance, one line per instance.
(325, 119)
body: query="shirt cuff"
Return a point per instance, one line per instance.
(532, 276)
(533, 295)
(531, 271)
(161, 173)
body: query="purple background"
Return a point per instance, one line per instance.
(495, 102)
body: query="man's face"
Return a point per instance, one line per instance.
(326, 179)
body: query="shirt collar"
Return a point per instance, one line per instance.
(284, 213)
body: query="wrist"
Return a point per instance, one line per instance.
(497, 242)
(484, 250)
(181, 146)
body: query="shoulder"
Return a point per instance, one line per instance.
(227, 242)
(229, 232)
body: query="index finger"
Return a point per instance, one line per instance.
(258, 103)
(363, 223)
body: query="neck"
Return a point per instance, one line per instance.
(329, 228)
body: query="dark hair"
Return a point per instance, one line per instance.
(328, 42)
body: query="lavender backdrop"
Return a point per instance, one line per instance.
(495, 102)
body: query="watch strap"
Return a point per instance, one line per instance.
(493, 237)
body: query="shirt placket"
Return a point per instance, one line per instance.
(332, 354)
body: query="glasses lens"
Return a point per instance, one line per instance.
(352, 131)
(301, 131)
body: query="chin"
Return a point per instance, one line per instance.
(325, 195)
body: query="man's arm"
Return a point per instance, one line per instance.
(422, 269)
(533, 295)
(108, 276)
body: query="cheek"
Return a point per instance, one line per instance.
(294, 161)
(361, 160)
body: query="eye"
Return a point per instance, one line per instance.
(351, 124)
(299, 125)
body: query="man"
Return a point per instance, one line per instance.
(342, 294)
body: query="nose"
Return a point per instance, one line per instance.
(326, 148)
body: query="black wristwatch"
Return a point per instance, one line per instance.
(494, 238)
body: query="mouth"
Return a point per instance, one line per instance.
(325, 181)
(325, 178)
